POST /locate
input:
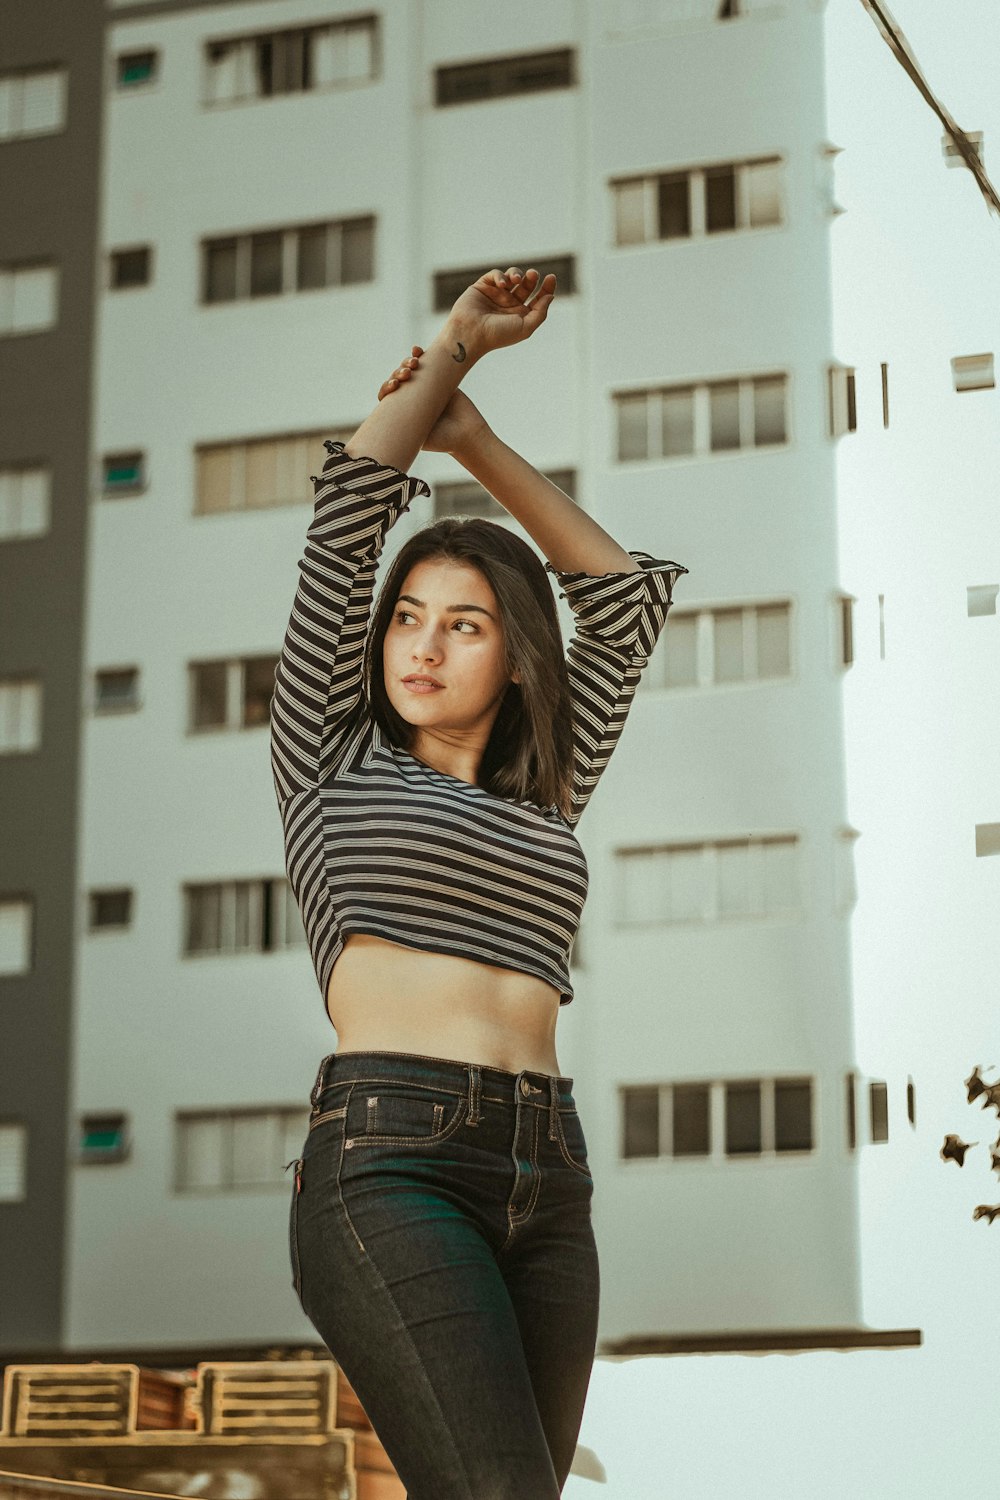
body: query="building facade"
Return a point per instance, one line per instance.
(291, 196)
(50, 121)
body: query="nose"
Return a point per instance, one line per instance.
(426, 648)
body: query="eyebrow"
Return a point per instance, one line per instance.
(455, 608)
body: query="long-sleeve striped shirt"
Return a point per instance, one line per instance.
(377, 841)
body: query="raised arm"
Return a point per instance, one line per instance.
(318, 679)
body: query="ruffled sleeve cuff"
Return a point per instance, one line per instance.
(376, 480)
(627, 610)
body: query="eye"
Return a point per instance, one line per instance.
(399, 614)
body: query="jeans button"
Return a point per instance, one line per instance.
(525, 1087)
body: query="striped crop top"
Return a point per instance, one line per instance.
(379, 842)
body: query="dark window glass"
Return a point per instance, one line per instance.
(878, 1104)
(742, 1119)
(265, 263)
(852, 403)
(724, 413)
(220, 270)
(130, 267)
(793, 1115)
(691, 1119)
(641, 1122)
(282, 63)
(464, 83)
(103, 1138)
(117, 688)
(911, 1102)
(136, 68)
(208, 710)
(110, 908)
(852, 1113)
(123, 471)
(204, 919)
(312, 268)
(357, 251)
(449, 285)
(720, 198)
(675, 206)
(258, 685)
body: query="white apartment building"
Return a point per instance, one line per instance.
(293, 192)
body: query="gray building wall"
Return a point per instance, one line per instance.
(49, 187)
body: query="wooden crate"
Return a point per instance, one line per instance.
(90, 1400)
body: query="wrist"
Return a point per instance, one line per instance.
(474, 442)
(463, 338)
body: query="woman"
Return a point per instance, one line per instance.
(431, 760)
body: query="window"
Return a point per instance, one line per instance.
(25, 502)
(845, 883)
(845, 617)
(123, 473)
(843, 410)
(134, 69)
(20, 715)
(297, 60)
(973, 372)
(116, 689)
(13, 1162)
(727, 879)
(987, 839)
(757, 1117)
(852, 1112)
(305, 258)
(743, 1121)
(911, 1102)
(449, 285)
(241, 916)
(878, 1111)
(981, 599)
(469, 498)
(231, 1150)
(16, 914)
(103, 1138)
(28, 298)
(110, 909)
(499, 77)
(718, 647)
(128, 268)
(32, 103)
(695, 201)
(684, 421)
(232, 694)
(259, 472)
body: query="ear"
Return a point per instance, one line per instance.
(516, 677)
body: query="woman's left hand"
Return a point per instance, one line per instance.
(460, 421)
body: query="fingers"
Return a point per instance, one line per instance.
(402, 373)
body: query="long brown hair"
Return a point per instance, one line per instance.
(529, 754)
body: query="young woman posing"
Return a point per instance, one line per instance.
(432, 756)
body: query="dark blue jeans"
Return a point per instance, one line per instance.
(442, 1247)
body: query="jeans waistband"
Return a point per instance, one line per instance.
(480, 1079)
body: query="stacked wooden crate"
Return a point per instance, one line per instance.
(277, 1422)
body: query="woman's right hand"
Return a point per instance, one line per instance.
(504, 308)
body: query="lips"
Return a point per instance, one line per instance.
(420, 683)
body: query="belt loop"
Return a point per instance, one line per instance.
(320, 1083)
(475, 1086)
(553, 1108)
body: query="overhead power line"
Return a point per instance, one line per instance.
(900, 48)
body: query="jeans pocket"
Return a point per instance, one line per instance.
(572, 1141)
(382, 1112)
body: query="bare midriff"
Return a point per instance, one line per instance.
(383, 997)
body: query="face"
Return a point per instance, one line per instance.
(446, 626)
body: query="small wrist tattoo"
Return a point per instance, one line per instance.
(460, 357)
